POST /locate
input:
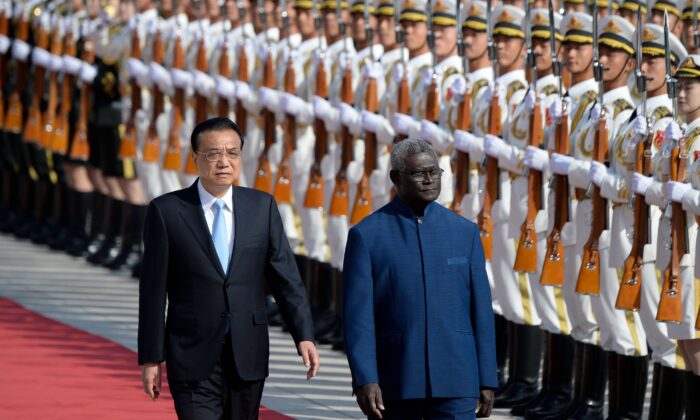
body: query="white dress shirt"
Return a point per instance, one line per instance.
(207, 201)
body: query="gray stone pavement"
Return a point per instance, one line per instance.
(106, 304)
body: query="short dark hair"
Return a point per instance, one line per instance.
(214, 124)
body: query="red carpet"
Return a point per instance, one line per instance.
(50, 370)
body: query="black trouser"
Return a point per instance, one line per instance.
(224, 395)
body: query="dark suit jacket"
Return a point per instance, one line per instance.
(180, 263)
(417, 305)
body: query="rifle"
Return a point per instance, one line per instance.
(151, 147)
(224, 106)
(33, 126)
(201, 101)
(526, 255)
(670, 303)
(283, 187)
(463, 123)
(629, 294)
(173, 154)
(404, 95)
(491, 192)
(314, 189)
(47, 130)
(363, 199)
(242, 74)
(59, 143)
(340, 202)
(127, 147)
(263, 178)
(13, 118)
(4, 30)
(80, 148)
(589, 273)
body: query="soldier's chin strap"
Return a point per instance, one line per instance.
(629, 57)
(517, 56)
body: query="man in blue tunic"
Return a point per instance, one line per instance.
(419, 327)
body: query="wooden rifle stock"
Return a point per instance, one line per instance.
(283, 187)
(201, 101)
(59, 143)
(464, 116)
(526, 255)
(240, 112)
(670, 303)
(553, 266)
(628, 297)
(80, 148)
(224, 106)
(484, 219)
(404, 103)
(151, 147)
(49, 118)
(173, 154)
(314, 188)
(15, 114)
(263, 178)
(363, 200)
(589, 273)
(127, 147)
(340, 202)
(32, 127)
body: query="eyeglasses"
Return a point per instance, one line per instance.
(421, 175)
(216, 155)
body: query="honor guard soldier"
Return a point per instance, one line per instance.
(688, 194)
(659, 7)
(690, 37)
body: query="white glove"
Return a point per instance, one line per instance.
(329, 167)
(270, 98)
(491, 88)
(373, 70)
(597, 173)
(469, 143)
(41, 57)
(639, 127)
(204, 84)
(530, 100)
(536, 158)
(494, 146)
(459, 88)
(673, 131)
(676, 190)
(403, 124)
(640, 183)
(435, 135)
(225, 88)
(322, 108)
(242, 89)
(135, 68)
(20, 50)
(350, 118)
(88, 72)
(71, 65)
(354, 172)
(379, 125)
(292, 104)
(595, 113)
(344, 60)
(4, 44)
(428, 77)
(56, 63)
(559, 164)
(161, 77)
(555, 109)
(182, 79)
(398, 73)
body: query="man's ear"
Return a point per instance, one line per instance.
(395, 177)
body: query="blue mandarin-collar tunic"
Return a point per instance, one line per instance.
(417, 305)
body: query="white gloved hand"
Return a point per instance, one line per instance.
(373, 70)
(403, 124)
(488, 92)
(536, 158)
(530, 100)
(4, 44)
(322, 108)
(370, 121)
(676, 190)
(204, 84)
(435, 135)
(270, 98)
(378, 182)
(640, 183)
(494, 146)
(41, 57)
(344, 60)
(243, 89)
(559, 164)
(555, 108)
(428, 77)
(161, 77)
(182, 79)
(597, 173)
(292, 104)
(350, 118)
(225, 88)
(56, 63)
(354, 172)
(469, 143)
(639, 127)
(71, 65)
(329, 167)
(595, 113)
(135, 68)
(673, 131)
(398, 73)
(459, 88)
(88, 72)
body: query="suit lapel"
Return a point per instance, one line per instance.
(193, 216)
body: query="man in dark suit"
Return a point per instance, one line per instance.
(210, 249)
(419, 328)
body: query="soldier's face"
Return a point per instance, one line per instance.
(520, 4)
(223, 171)
(445, 40)
(687, 37)
(476, 42)
(416, 34)
(358, 26)
(616, 63)
(629, 16)
(305, 22)
(658, 18)
(689, 96)
(413, 185)
(510, 49)
(232, 11)
(543, 54)
(654, 68)
(142, 5)
(574, 7)
(93, 8)
(386, 32)
(330, 24)
(213, 10)
(578, 57)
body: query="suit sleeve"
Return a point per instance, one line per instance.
(152, 288)
(285, 282)
(358, 312)
(482, 316)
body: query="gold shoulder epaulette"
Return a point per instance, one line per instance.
(659, 113)
(513, 87)
(620, 105)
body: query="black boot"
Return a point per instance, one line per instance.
(667, 391)
(501, 326)
(79, 215)
(326, 319)
(60, 236)
(101, 217)
(692, 396)
(338, 341)
(547, 372)
(130, 252)
(43, 200)
(25, 216)
(112, 225)
(507, 388)
(527, 367)
(563, 364)
(630, 385)
(593, 386)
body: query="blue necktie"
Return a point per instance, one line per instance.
(219, 234)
